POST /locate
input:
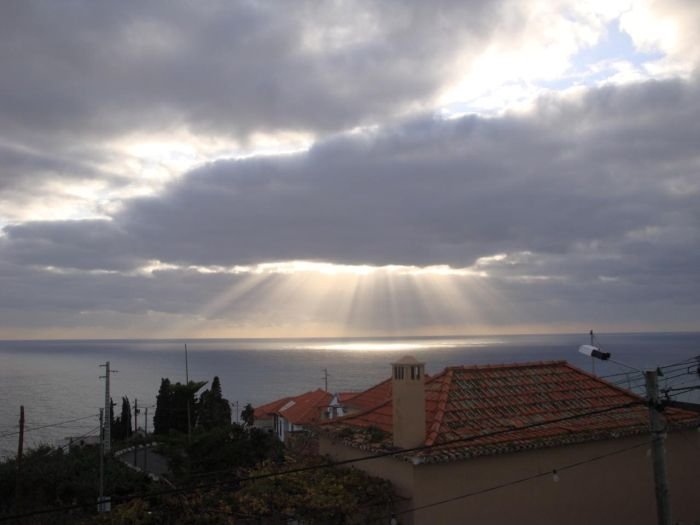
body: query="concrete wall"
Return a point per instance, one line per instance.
(400, 473)
(616, 490)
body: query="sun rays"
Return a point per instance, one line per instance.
(311, 299)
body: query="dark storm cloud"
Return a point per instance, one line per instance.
(79, 75)
(594, 199)
(87, 69)
(604, 169)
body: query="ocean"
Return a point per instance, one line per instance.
(58, 381)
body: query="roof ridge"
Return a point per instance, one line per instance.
(440, 411)
(523, 364)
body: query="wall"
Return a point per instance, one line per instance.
(617, 490)
(399, 472)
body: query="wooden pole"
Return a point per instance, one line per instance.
(136, 426)
(145, 448)
(20, 451)
(20, 445)
(100, 498)
(658, 452)
(187, 380)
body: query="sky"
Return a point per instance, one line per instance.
(348, 168)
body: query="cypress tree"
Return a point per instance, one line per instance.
(162, 420)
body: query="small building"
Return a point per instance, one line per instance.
(264, 415)
(540, 443)
(293, 413)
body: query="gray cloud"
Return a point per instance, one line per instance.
(423, 192)
(595, 201)
(229, 67)
(77, 77)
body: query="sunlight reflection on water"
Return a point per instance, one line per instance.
(400, 346)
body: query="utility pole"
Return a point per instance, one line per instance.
(20, 451)
(20, 445)
(658, 451)
(187, 381)
(657, 427)
(136, 427)
(108, 410)
(102, 502)
(145, 448)
(325, 379)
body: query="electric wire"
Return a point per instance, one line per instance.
(124, 499)
(58, 424)
(687, 362)
(399, 452)
(514, 482)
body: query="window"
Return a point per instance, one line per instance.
(415, 372)
(398, 372)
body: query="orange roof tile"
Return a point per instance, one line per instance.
(465, 402)
(305, 408)
(267, 410)
(370, 397)
(344, 397)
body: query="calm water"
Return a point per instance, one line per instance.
(59, 380)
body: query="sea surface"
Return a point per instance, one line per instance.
(58, 381)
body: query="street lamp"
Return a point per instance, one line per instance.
(657, 426)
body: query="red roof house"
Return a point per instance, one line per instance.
(473, 428)
(298, 413)
(264, 414)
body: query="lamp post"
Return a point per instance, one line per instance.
(658, 432)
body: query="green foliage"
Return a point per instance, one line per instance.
(320, 496)
(162, 420)
(248, 415)
(375, 434)
(121, 429)
(172, 403)
(213, 410)
(324, 496)
(220, 449)
(54, 477)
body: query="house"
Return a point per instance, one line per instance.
(264, 415)
(540, 442)
(296, 414)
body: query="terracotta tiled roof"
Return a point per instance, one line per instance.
(468, 401)
(268, 410)
(306, 408)
(371, 397)
(344, 397)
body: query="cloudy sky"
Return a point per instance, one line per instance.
(348, 168)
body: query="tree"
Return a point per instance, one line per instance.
(162, 420)
(172, 404)
(125, 419)
(315, 496)
(248, 415)
(214, 410)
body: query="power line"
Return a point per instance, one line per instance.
(516, 481)
(48, 426)
(687, 362)
(455, 441)
(124, 499)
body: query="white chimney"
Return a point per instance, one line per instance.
(408, 400)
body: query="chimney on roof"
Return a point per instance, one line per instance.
(408, 400)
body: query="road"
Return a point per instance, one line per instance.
(146, 460)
